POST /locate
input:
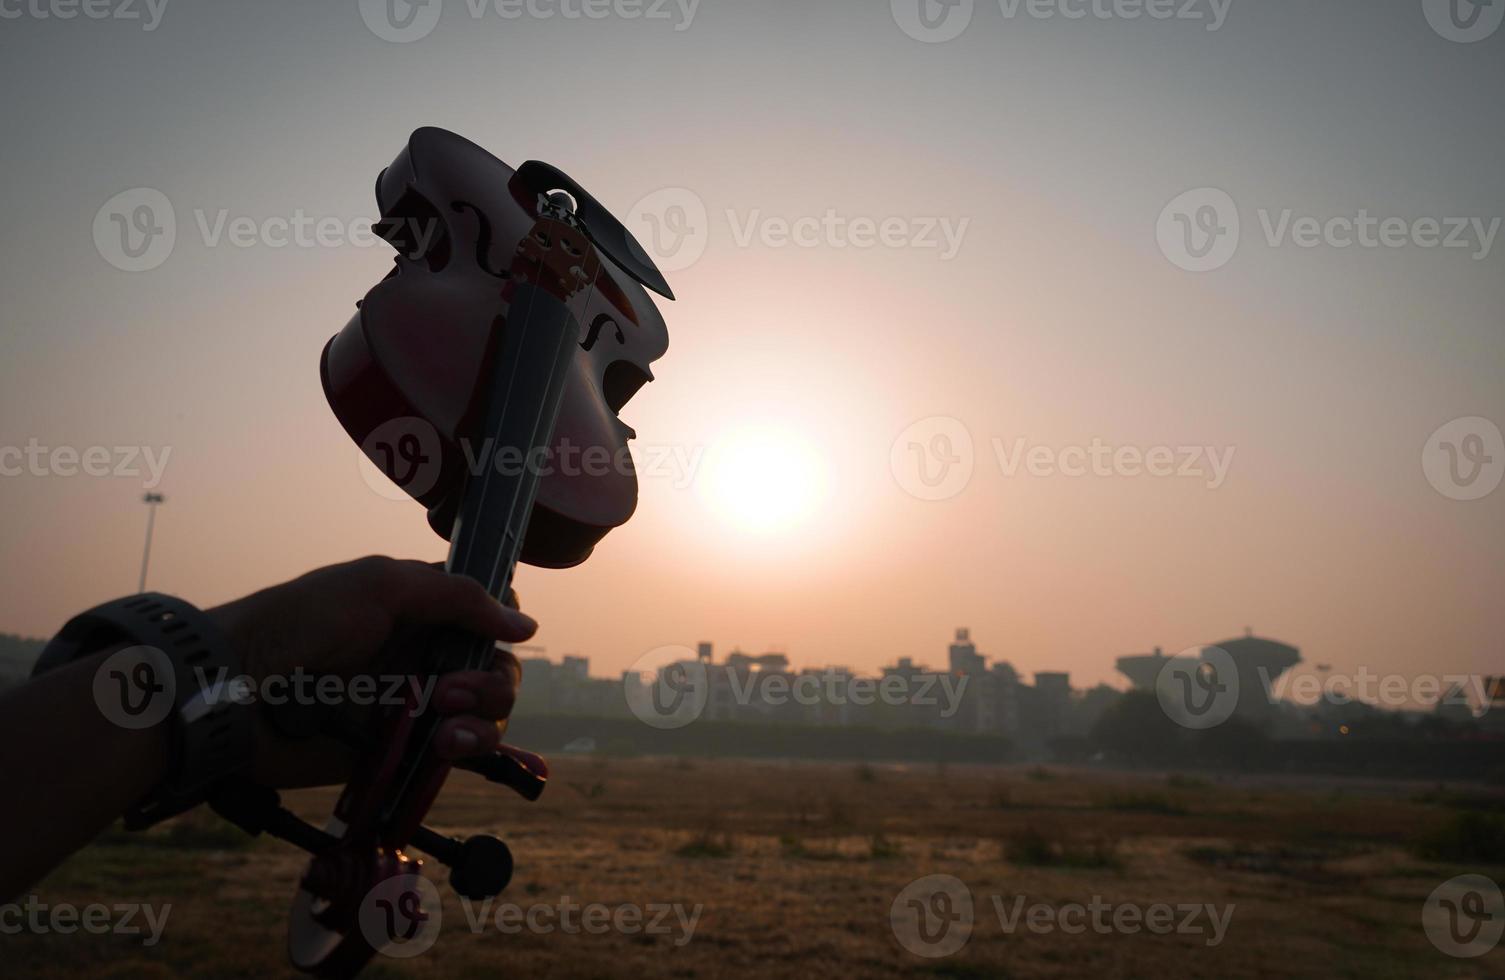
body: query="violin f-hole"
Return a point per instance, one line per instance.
(483, 239)
(594, 333)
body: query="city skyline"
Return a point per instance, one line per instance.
(1310, 389)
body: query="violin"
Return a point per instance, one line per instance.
(485, 376)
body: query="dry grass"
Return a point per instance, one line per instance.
(796, 866)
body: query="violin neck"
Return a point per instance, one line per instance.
(523, 386)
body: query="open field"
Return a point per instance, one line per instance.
(797, 865)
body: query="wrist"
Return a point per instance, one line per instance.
(160, 665)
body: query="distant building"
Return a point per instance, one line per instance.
(1142, 669)
(1492, 719)
(963, 655)
(567, 689)
(1257, 660)
(1049, 705)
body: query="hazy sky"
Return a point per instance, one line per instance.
(1060, 320)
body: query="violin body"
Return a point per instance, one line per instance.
(485, 375)
(402, 376)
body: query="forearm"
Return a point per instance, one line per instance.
(69, 771)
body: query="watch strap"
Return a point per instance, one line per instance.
(212, 733)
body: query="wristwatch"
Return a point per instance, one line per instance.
(212, 728)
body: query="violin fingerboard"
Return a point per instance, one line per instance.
(527, 371)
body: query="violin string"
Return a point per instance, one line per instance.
(513, 529)
(565, 338)
(461, 556)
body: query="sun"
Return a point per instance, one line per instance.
(764, 480)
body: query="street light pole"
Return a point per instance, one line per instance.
(151, 500)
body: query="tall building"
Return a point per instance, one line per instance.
(1142, 669)
(1259, 662)
(1052, 701)
(964, 658)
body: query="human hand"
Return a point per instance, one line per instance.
(350, 620)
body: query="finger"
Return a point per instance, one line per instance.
(507, 663)
(480, 693)
(465, 736)
(416, 591)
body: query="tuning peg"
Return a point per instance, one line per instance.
(479, 868)
(522, 772)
